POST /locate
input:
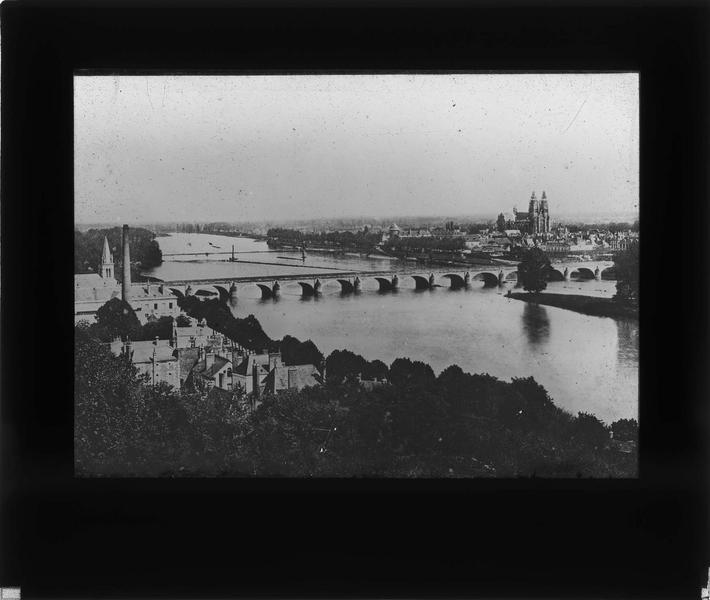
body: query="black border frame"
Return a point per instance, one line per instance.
(66, 537)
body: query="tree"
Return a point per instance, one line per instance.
(118, 319)
(183, 321)
(533, 269)
(626, 265)
(625, 430)
(500, 223)
(405, 372)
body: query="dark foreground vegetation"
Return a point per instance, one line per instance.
(414, 425)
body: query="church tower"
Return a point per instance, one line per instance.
(544, 214)
(106, 269)
(533, 210)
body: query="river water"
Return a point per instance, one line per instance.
(586, 363)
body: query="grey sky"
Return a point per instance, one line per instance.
(244, 148)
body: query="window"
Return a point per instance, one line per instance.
(291, 378)
(155, 306)
(170, 304)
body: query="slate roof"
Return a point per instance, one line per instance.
(187, 357)
(209, 372)
(302, 376)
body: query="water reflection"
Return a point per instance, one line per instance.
(627, 349)
(536, 323)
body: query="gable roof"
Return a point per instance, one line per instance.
(203, 370)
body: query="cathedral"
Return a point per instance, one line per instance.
(536, 220)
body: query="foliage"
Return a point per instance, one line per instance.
(246, 332)
(295, 352)
(533, 269)
(405, 372)
(364, 241)
(625, 430)
(626, 265)
(414, 244)
(453, 425)
(117, 318)
(88, 247)
(183, 321)
(343, 365)
(161, 328)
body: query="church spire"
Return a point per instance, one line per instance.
(106, 254)
(106, 261)
(543, 194)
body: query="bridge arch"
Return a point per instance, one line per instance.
(456, 280)
(609, 273)
(266, 291)
(205, 291)
(555, 275)
(385, 284)
(179, 293)
(488, 279)
(421, 283)
(307, 289)
(582, 273)
(346, 286)
(223, 292)
(512, 276)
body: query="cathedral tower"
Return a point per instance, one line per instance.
(106, 269)
(544, 214)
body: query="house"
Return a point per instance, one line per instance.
(154, 359)
(195, 335)
(254, 374)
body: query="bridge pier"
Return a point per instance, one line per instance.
(597, 274)
(395, 281)
(467, 278)
(567, 274)
(356, 283)
(233, 293)
(501, 277)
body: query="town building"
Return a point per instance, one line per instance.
(254, 374)
(153, 359)
(535, 221)
(93, 290)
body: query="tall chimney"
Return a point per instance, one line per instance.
(126, 287)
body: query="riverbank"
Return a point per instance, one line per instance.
(587, 305)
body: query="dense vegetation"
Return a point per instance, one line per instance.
(419, 425)
(612, 227)
(362, 241)
(117, 319)
(248, 333)
(533, 270)
(626, 265)
(89, 245)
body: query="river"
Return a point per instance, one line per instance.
(586, 363)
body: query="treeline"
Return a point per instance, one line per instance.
(413, 244)
(248, 333)
(627, 268)
(363, 241)
(418, 425)
(220, 227)
(88, 247)
(612, 227)
(117, 319)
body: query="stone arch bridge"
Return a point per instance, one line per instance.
(351, 282)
